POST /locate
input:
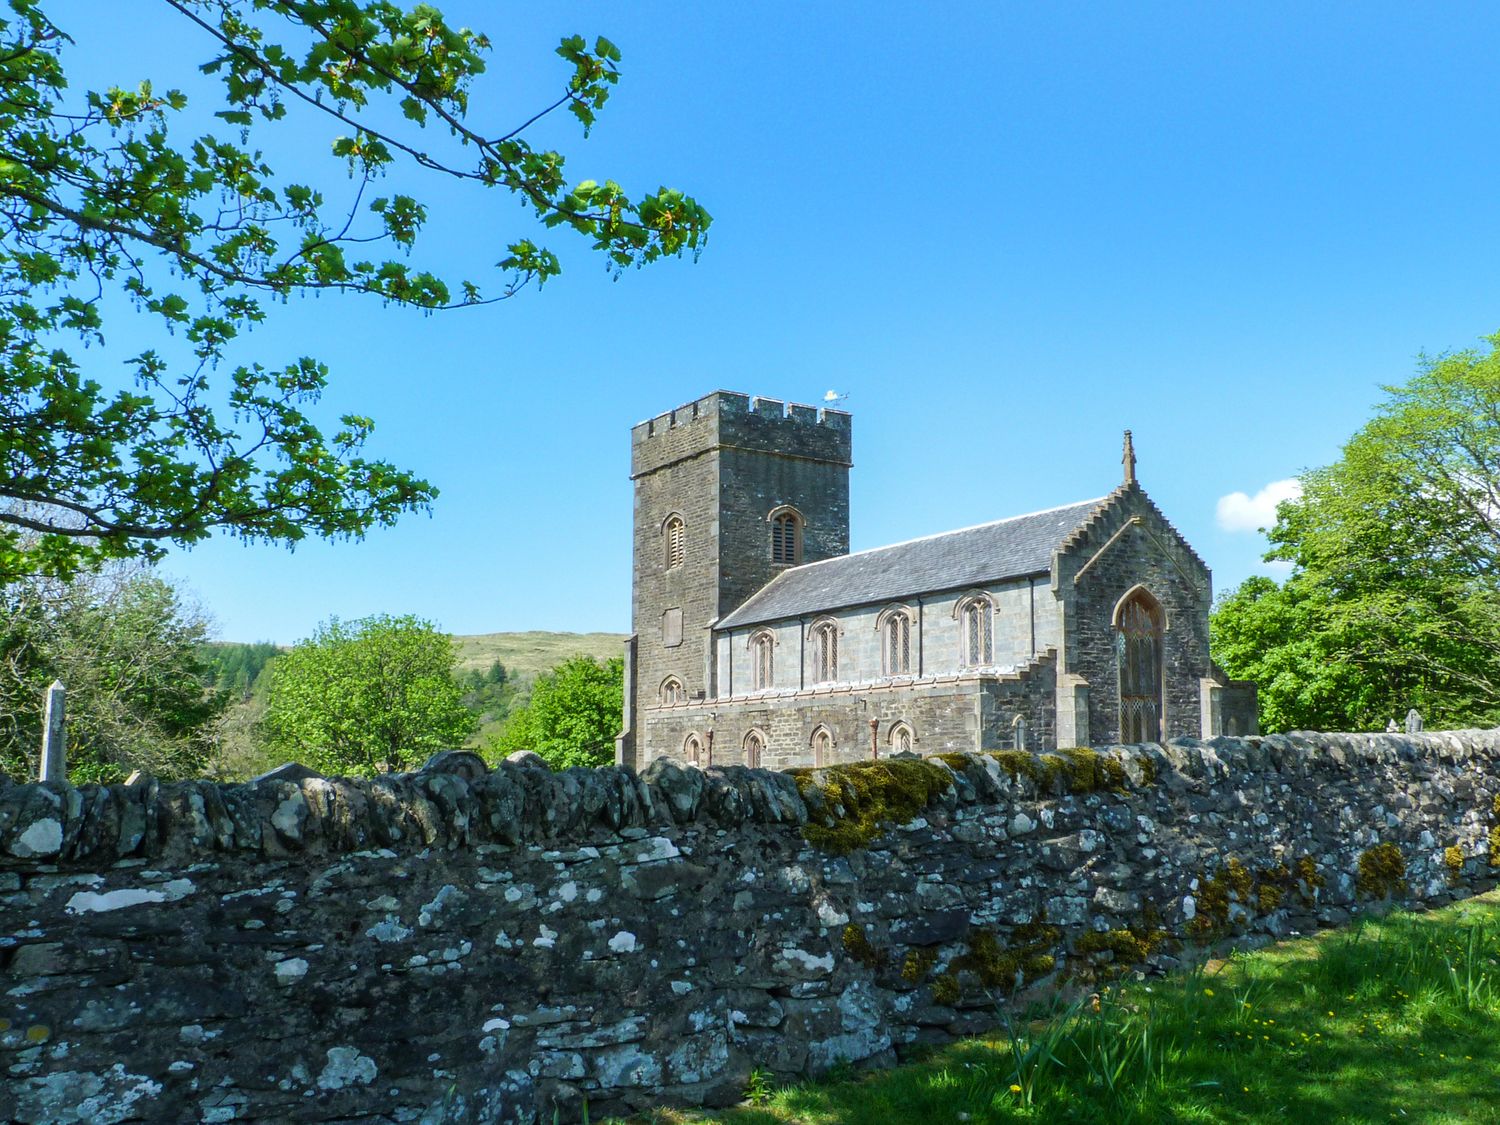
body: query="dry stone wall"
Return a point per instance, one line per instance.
(465, 945)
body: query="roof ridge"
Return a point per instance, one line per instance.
(937, 535)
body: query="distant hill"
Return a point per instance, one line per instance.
(527, 655)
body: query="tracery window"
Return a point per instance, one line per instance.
(755, 746)
(825, 652)
(976, 618)
(786, 536)
(692, 749)
(1139, 625)
(672, 691)
(675, 534)
(900, 738)
(762, 645)
(895, 642)
(822, 747)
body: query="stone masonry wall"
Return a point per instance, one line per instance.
(470, 945)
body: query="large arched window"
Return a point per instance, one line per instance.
(1139, 625)
(901, 739)
(672, 691)
(976, 619)
(755, 746)
(674, 538)
(822, 747)
(895, 641)
(692, 749)
(825, 651)
(762, 647)
(786, 536)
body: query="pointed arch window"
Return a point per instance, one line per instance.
(672, 691)
(692, 749)
(825, 651)
(901, 739)
(1018, 733)
(786, 536)
(762, 649)
(755, 748)
(976, 617)
(674, 534)
(895, 627)
(1139, 627)
(822, 747)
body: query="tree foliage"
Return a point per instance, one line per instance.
(573, 715)
(371, 696)
(106, 194)
(128, 650)
(1393, 600)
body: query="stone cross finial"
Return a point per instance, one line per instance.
(1129, 459)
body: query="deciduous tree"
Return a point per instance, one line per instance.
(369, 696)
(573, 715)
(1393, 600)
(103, 197)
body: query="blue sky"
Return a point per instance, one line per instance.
(1006, 232)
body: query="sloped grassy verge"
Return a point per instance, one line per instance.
(1390, 1020)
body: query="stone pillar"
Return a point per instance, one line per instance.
(1211, 707)
(1413, 720)
(626, 741)
(1072, 710)
(55, 735)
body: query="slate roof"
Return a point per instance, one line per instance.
(973, 556)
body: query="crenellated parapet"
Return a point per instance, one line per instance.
(728, 419)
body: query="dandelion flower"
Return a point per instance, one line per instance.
(1014, 1089)
(1208, 992)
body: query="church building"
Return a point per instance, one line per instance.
(759, 639)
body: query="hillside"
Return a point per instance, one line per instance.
(526, 655)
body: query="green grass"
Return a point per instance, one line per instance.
(527, 655)
(1391, 1020)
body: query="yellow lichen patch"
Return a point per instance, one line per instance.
(1309, 882)
(946, 990)
(1214, 893)
(38, 1033)
(1495, 846)
(1453, 859)
(1028, 957)
(1382, 872)
(916, 965)
(858, 946)
(849, 803)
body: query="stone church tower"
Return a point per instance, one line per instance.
(729, 491)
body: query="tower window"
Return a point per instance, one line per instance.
(895, 642)
(762, 645)
(786, 537)
(976, 615)
(675, 534)
(672, 691)
(825, 652)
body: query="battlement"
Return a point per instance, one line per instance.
(728, 419)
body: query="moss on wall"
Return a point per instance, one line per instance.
(1382, 872)
(848, 804)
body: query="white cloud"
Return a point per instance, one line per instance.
(1239, 512)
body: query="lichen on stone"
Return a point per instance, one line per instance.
(848, 804)
(1453, 859)
(1382, 872)
(916, 965)
(1029, 955)
(858, 946)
